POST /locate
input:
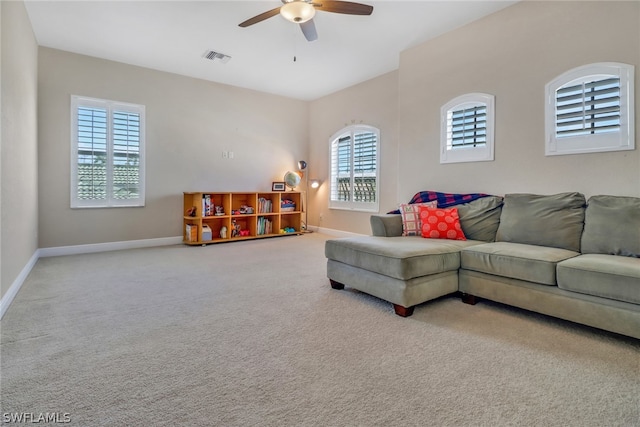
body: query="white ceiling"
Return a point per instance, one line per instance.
(173, 36)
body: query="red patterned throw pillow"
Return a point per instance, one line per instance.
(411, 217)
(441, 224)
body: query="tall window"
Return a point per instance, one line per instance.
(590, 109)
(107, 153)
(354, 168)
(466, 130)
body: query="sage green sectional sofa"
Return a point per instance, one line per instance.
(553, 254)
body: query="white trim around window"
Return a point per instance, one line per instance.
(467, 129)
(590, 109)
(354, 161)
(107, 153)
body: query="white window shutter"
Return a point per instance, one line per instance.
(107, 153)
(466, 129)
(590, 109)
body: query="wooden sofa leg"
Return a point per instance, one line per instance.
(336, 285)
(403, 311)
(469, 299)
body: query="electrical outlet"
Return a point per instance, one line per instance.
(225, 154)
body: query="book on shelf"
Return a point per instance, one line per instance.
(191, 232)
(265, 226)
(207, 206)
(265, 205)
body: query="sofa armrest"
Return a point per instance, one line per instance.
(388, 225)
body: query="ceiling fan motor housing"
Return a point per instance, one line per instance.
(297, 11)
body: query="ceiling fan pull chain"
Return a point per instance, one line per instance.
(295, 44)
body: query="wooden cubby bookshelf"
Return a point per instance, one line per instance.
(230, 210)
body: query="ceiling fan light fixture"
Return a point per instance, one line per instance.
(297, 11)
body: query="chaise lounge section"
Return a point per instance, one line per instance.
(407, 271)
(552, 254)
(402, 270)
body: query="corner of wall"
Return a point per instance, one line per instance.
(11, 293)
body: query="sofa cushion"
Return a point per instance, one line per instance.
(411, 224)
(480, 218)
(441, 224)
(556, 220)
(607, 276)
(532, 263)
(612, 226)
(399, 257)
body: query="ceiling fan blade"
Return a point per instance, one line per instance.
(350, 8)
(309, 30)
(260, 18)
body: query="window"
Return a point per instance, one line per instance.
(590, 109)
(107, 153)
(354, 168)
(466, 129)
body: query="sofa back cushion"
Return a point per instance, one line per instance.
(612, 226)
(480, 218)
(556, 220)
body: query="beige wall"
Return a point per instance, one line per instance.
(512, 54)
(189, 123)
(375, 103)
(19, 161)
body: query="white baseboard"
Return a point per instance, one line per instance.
(333, 232)
(11, 293)
(110, 246)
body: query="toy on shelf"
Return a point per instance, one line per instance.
(235, 229)
(244, 209)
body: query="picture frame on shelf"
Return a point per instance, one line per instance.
(278, 186)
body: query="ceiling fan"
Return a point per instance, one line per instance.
(302, 12)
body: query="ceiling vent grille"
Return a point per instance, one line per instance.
(217, 56)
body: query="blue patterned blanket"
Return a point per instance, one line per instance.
(445, 200)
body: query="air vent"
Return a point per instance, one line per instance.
(217, 56)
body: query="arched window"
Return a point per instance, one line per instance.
(590, 109)
(354, 160)
(466, 129)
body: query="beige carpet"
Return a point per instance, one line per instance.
(251, 334)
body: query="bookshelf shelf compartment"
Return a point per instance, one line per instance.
(252, 216)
